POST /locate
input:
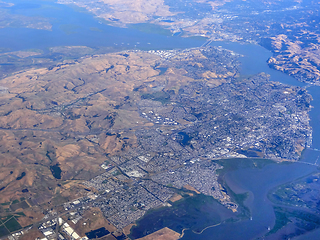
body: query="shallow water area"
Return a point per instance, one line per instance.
(73, 27)
(257, 182)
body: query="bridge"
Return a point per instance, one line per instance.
(303, 162)
(314, 149)
(207, 43)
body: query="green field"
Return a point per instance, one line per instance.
(5, 204)
(12, 225)
(3, 231)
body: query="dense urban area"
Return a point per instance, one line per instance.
(217, 115)
(92, 140)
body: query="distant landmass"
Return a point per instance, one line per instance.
(288, 28)
(126, 140)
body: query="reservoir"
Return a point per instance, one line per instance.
(70, 27)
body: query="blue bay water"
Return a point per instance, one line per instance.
(71, 28)
(257, 182)
(254, 60)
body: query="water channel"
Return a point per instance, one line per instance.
(257, 182)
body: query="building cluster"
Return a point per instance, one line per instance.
(200, 122)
